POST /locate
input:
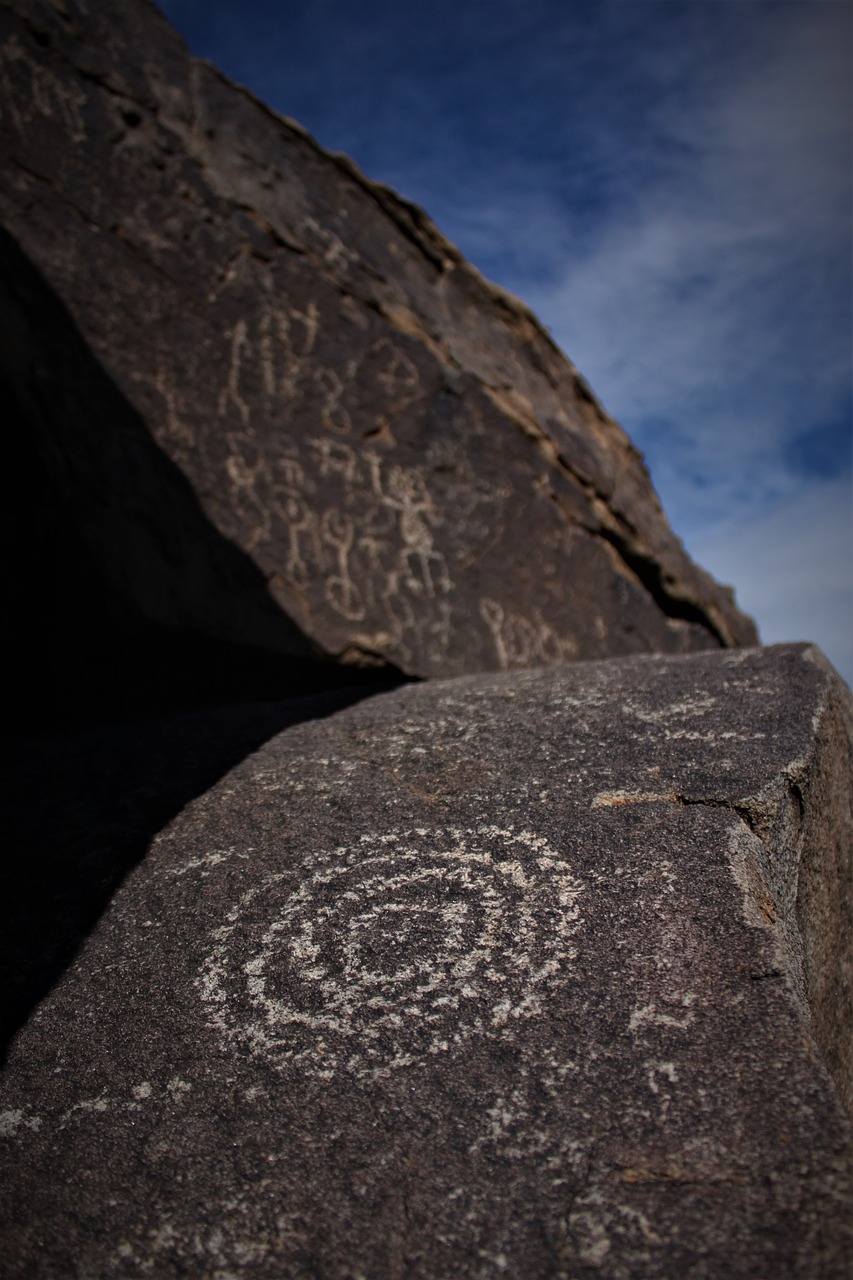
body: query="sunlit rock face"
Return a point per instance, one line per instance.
(532, 974)
(413, 474)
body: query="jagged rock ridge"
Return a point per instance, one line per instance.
(415, 471)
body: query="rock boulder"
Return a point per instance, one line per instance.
(414, 473)
(541, 974)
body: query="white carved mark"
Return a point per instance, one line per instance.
(46, 94)
(376, 957)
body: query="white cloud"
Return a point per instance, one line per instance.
(792, 566)
(711, 312)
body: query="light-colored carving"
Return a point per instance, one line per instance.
(397, 375)
(244, 478)
(292, 479)
(493, 615)
(230, 393)
(171, 423)
(286, 340)
(524, 641)
(335, 415)
(337, 531)
(335, 459)
(48, 95)
(333, 251)
(304, 551)
(404, 491)
(407, 945)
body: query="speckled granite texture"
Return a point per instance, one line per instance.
(544, 974)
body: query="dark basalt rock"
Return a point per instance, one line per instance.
(122, 598)
(539, 974)
(403, 461)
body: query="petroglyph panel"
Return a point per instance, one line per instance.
(30, 91)
(521, 641)
(403, 946)
(277, 355)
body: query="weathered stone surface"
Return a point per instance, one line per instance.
(415, 472)
(120, 594)
(80, 808)
(507, 975)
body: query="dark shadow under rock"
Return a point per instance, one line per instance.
(80, 809)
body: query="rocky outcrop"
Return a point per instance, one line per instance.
(402, 461)
(121, 596)
(535, 974)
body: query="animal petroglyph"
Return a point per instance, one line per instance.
(379, 956)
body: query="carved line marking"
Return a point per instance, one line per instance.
(524, 641)
(379, 956)
(47, 93)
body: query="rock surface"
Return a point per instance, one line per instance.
(531, 974)
(121, 595)
(411, 470)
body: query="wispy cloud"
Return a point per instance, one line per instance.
(792, 566)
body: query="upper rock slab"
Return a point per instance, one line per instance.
(545, 974)
(419, 475)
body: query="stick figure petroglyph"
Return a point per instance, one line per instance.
(338, 531)
(303, 539)
(405, 491)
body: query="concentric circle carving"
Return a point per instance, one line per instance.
(401, 947)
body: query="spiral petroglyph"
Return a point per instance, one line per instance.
(377, 956)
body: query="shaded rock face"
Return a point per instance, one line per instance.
(411, 471)
(540, 974)
(121, 595)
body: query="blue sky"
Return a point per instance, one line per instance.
(668, 184)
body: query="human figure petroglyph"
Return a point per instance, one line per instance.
(279, 350)
(338, 531)
(304, 548)
(373, 549)
(278, 335)
(405, 492)
(493, 615)
(244, 477)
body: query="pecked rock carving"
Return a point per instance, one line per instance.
(540, 974)
(417, 475)
(357, 963)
